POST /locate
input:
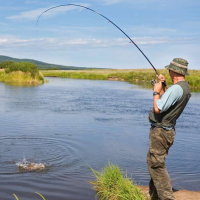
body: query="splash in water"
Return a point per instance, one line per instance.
(30, 166)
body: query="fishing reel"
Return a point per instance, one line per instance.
(153, 82)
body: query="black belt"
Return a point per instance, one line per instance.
(153, 126)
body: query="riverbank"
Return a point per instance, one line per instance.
(179, 194)
(136, 76)
(112, 183)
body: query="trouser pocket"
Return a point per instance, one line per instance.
(160, 141)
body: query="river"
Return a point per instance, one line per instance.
(71, 124)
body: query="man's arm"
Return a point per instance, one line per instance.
(169, 98)
(156, 109)
(158, 87)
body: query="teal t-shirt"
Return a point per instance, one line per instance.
(168, 99)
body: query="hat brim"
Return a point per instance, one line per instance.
(168, 67)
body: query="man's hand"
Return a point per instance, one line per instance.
(160, 78)
(158, 87)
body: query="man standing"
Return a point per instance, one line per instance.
(167, 107)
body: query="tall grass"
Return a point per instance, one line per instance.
(20, 77)
(75, 74)
(113, 184)
(139, 76)
(20, 72)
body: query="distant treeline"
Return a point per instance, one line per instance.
(42, 65)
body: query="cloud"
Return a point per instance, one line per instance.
(34, 14)
(12, 41)
(62, 43)
(62, 50)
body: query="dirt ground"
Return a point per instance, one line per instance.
(179, 194)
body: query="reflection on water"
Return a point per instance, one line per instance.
(22, 84)
(69, 125)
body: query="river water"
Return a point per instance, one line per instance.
(70, 125)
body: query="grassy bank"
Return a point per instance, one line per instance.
(113, 184)
(20, 72)
(137, 76)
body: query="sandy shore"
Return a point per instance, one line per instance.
(179, 194)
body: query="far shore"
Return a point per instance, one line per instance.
(141, 77)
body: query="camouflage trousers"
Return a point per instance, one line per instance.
(160, 140)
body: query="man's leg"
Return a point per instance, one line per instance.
(160, 141)
(152, 190)
(162, 184)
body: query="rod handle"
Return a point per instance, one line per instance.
(164, 85)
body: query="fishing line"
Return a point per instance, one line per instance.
(131, 41)
(108, 21)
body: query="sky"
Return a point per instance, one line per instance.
(74, 36)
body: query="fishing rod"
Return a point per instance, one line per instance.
(77, 5)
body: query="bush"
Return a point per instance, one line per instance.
(24, 67)
(10, 66)
(24, 72)
(5, 64)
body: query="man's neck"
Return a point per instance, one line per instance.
(178, 79)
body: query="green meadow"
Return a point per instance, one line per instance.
(136, 76)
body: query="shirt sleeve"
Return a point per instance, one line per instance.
(169, 98)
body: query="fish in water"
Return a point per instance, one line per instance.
(29, 166)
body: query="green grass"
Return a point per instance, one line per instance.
(112, 184)
(20, 72)
(20, 77)
(75, 74)
(137, 76)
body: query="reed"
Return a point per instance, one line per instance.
(112, 184)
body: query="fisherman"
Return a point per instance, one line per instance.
(167, 107)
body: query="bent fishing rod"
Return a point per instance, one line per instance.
(77, 5)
